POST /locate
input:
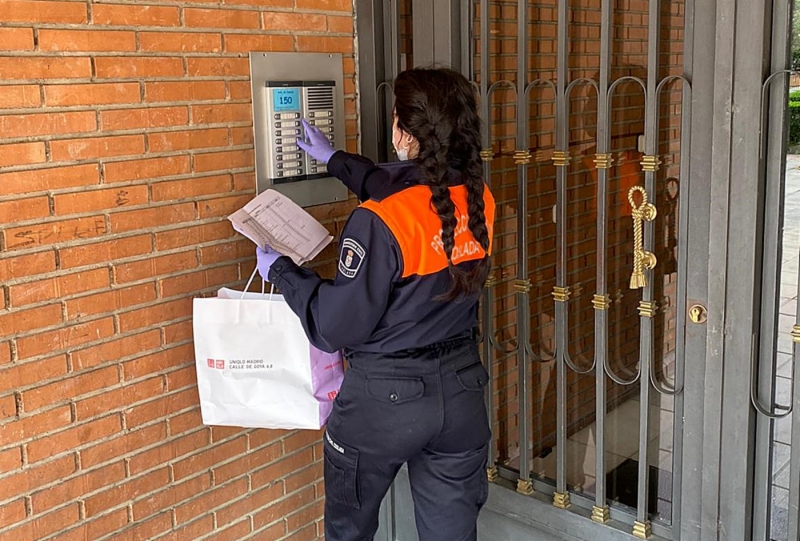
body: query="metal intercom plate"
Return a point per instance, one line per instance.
(287, 87)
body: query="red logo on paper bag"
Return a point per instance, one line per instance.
(211, 363)
(332, 394)
(221, 365)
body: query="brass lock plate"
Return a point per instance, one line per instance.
(698, 313)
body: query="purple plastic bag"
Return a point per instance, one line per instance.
(327, 373)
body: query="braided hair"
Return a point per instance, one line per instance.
(438, 107)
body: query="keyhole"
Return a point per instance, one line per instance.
(697, 314)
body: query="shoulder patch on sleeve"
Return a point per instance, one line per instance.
(351, 258)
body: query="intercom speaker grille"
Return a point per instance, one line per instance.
(320, 98)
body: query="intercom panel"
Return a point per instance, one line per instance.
(288, 87)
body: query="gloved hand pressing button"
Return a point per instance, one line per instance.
(317, 146)
(264, 260)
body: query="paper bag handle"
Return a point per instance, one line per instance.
(263, 282)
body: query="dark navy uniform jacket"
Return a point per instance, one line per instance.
(392, 265)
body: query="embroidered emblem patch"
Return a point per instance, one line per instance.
(351, 258)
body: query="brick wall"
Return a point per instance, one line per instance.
(125, 141)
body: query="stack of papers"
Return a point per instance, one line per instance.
(272, 219)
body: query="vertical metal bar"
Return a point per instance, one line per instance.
(600, 512)
(371, 73)
(562, 147)
(641, 527)
(794, 456)
(488, 304)
(524, 485)
(423, 32)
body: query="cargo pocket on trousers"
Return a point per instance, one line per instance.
(395, 390)
(341, 473)
(473, 377)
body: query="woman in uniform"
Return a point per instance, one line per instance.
(414, 257)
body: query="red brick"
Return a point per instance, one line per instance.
(110, 301)
(30, 427)
(260, 3)
(125, 443)
(280, 469)
(194, 530)
(43, 526)
(103, 252)
(88, 201)
(223, 161)
(220, 18)
(197, 281)
(118, 398)
(22, 11)
(152, 217)
(8, 406)
(241, 529)
(294, 22)
(303, 478)
(22, 154)
(21, 210)
(91, 94)
(255, 500)
(325, 5)
(73, 489)
(192, 187)
(11, 513)
(115, 15)
(239, 90)
(160, 408)
(168, 451)
(177, 332)
(282, 508)
(242, 136)
(5, 352)
(28, 320)
(165, 359)
(171, 42)
(207, 459)
(97, 528)
(132, 119)
(303, 520)
(342, 25)
(222, 207)
(239, 43)
(124, 492)
(184, 422)
(308, 533)
(19, 96)
(247, 463)
(166, 498)
(66, 338)
(221, 114)
(69, 388)
(16, 39)
(72, 438)
(220, 433)
(98, 147)
(190, 236)
(10, 459)
(228, 251)
(45, 124)
(86, 40)
(117, 349)
(218, 67)
(126, 67)
(146, 169)
(184, 91)
(183, 377)
(185, 140)
(157, 266)
(53, 288)
(148, 529)
(244, 181)
(27, 265)
(49, 179)
(54, 232)
(210, 500)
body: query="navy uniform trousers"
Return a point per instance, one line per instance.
(423, 407)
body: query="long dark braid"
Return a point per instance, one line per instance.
(438, 107)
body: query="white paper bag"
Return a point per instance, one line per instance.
(255, 366)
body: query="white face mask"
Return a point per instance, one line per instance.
(397, 136)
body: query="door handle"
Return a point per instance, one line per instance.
(642, 259)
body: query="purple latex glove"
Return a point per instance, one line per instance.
(264, 260)
(317, 146)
